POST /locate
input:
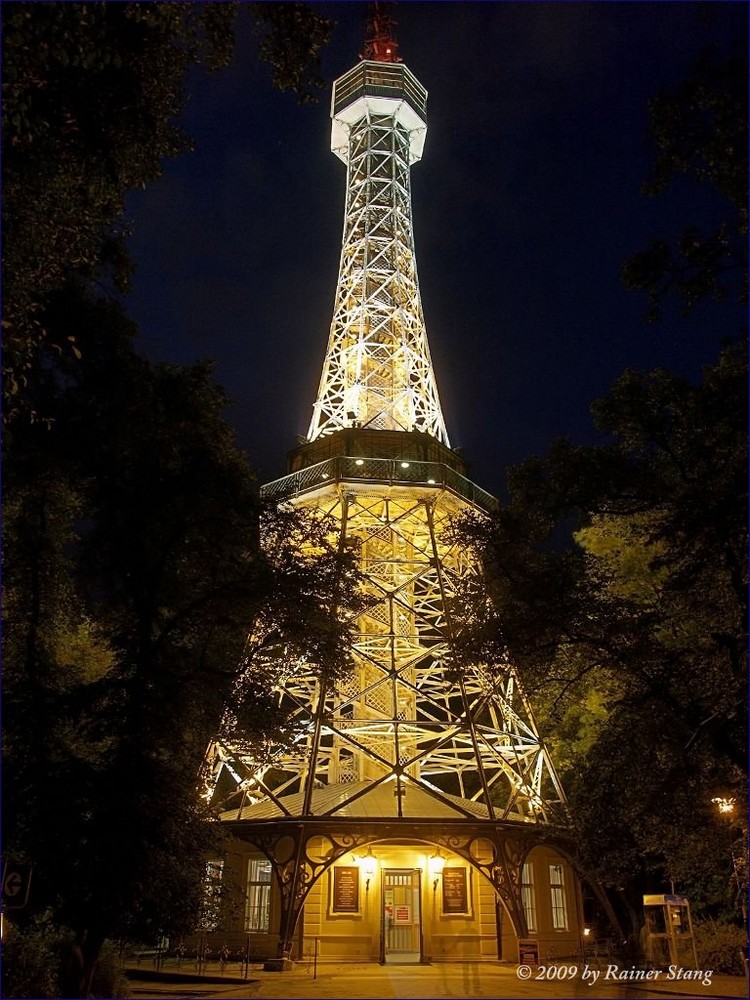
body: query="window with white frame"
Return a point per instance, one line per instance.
(527, 896)
(557, 893)
(258, 895)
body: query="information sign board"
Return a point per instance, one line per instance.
(455, 891)
(346, 889)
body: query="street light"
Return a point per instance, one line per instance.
(585, 941)
(725, 806)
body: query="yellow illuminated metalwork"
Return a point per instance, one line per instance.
(411, 731)
(377, 371)
(407, 715)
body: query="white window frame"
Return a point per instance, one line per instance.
(558, 898)
(528, 896)
(258, 896)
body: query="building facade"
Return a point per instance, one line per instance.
(417, 817)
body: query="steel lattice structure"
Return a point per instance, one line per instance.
(410, 733)
(377, 371)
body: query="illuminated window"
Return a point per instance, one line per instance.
(258, 895)
(527, 896)
(557, 892)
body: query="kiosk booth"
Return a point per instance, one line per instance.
(669, 931)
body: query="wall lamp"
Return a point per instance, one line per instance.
(437, 863)
(369, 865)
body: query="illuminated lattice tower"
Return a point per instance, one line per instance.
(407, 737)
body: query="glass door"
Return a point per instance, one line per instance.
(402, 916)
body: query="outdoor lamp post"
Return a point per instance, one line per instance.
(726, 808)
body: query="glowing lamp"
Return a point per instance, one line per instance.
(369, 865)
(724, 805)
(436, 864)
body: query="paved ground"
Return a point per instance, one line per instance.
(430, 982)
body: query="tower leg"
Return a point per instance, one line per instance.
(293, 876)
(299, 856)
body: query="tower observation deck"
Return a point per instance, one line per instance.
(406, 745)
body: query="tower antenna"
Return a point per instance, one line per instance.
(380, 34)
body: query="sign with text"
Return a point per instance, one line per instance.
(455, 890)
(402, 914)
(345, 889)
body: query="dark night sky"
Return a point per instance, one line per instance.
(526, 203)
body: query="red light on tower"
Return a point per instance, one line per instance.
(380, 34)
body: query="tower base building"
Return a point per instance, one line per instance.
(400, 899)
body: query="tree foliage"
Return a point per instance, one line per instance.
(291, 37)
(700, 130)
(135, 559)
(619, 572)
(134, 571)
(92, 94)
(619, 579)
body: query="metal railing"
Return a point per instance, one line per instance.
(381, 79)
(390, 471)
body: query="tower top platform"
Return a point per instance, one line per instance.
(378, 88)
